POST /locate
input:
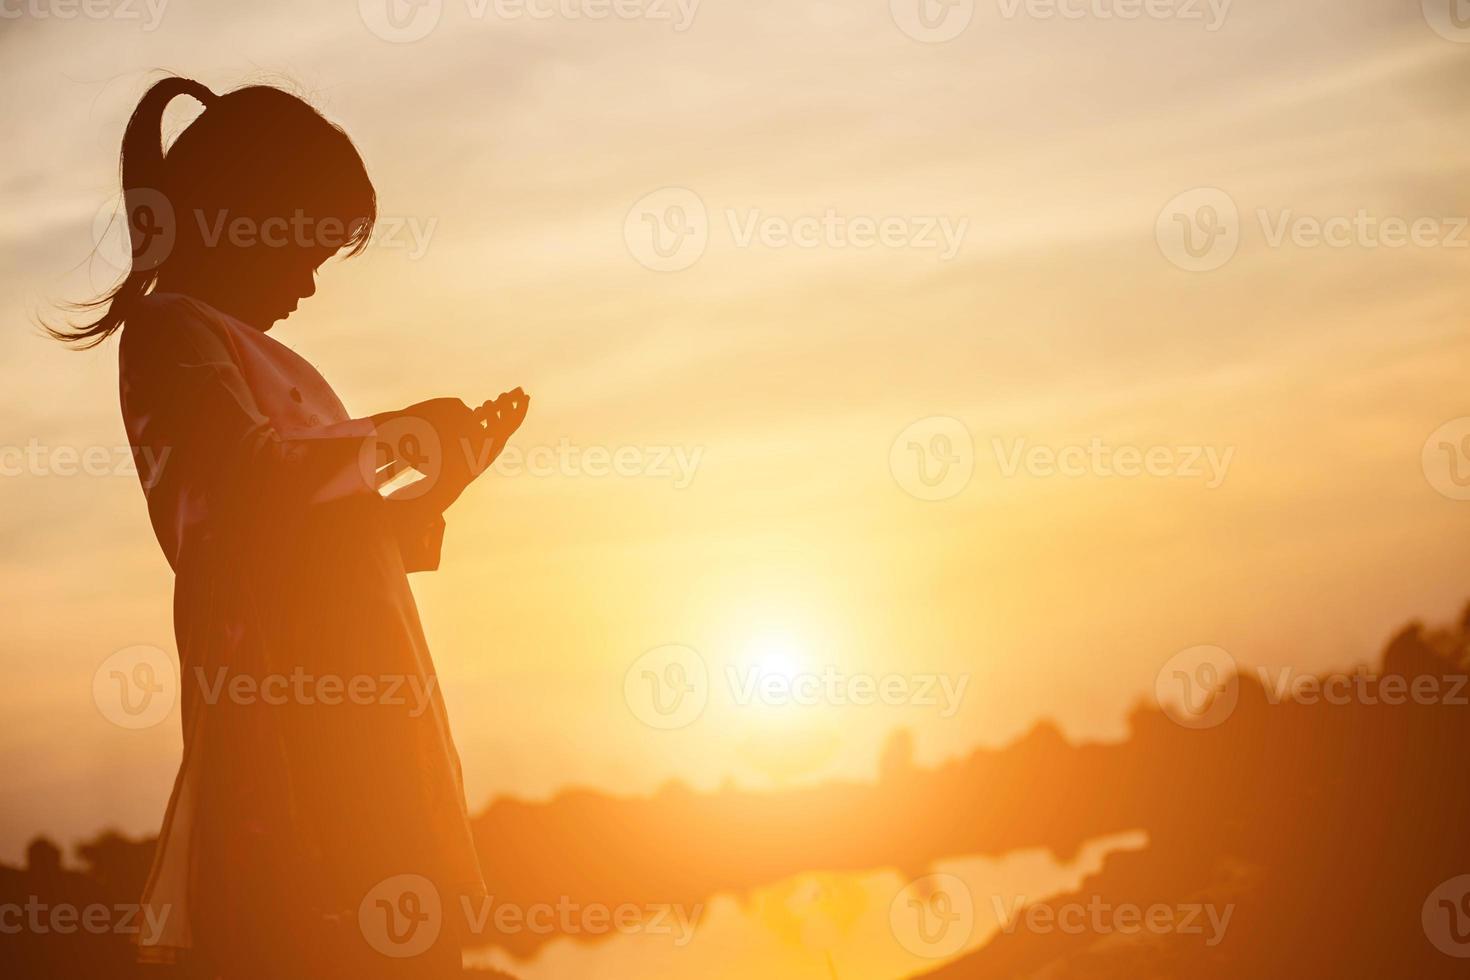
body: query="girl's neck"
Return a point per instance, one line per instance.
(206, 292)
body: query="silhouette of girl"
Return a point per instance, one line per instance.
(317, 826)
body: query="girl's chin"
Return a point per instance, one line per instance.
(270, 319)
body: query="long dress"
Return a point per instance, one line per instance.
(318, 762)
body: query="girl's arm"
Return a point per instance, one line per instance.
(186, 400)
(183, 391)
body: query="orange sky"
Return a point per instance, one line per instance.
(514, 148)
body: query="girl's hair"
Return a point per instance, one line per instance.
(256, 153)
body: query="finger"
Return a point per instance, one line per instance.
(507, 404)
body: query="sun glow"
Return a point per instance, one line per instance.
(777, 654)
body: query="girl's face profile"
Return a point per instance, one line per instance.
(289, 278)
(262, 190)
(264, 284)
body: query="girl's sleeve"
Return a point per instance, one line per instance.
(183, 392)
(184, 396)
(420, 534)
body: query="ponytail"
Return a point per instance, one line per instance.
(257, 153)
(145, 194)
